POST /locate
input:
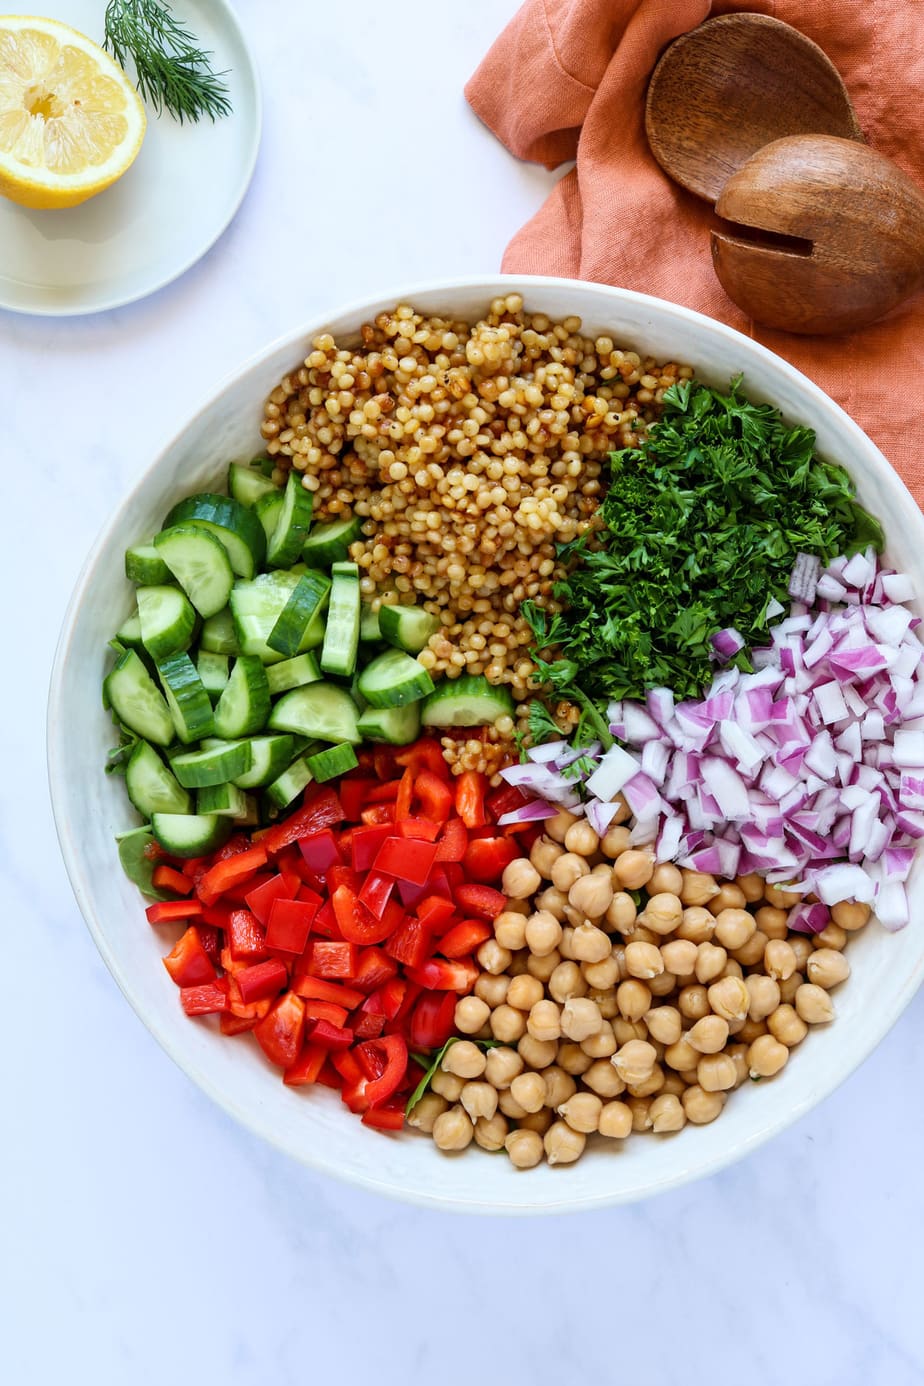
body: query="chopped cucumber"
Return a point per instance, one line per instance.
(199, 562)
(213, 671)
(393, 679)
(129, 632)
(145, 567)
(341, 638)
(167, 620)
(151, 786)
(190, 834)
(217, 634)
(237, 527)
(369, 628)
(289, 784)
(190, 706)
(245, 703)
(247, 484)
(225, 799)
(269, 756)
(137, 862)
(256, 607)
(396, 725)
(407, 627)
(331, 762)
(467, 702)
(137, 701)
(292, 526)
(306, 601)
(268, 509)
(330, 543)
(319, 710)
(250, 817)
(213, 765)
(292, 673)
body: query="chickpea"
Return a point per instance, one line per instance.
(679, 957)
(831, 936)
(850, 915)
(543, 854)
(751, 1030)
(697, 887)
(563, 1145)
(681, 1056)
(765, 996)
(491, 1132)
(572, 1059)
(786, 1025)
(738, 1053)
(766, 1057)
(693, 1002)
(626, 1030)
(580, 1018)
(813, 1004)
(568, 869)
(635, 1061)
(582, 1111)
(666, 877)
(601, 976)
(509, 1106)
(510, 930)
(663, 914)
(564, 946)
(665, 1024)
(479, 1100)
(648, 1086)
(640, 1107)
(732, 968)
(779, 960)
(544, 1020)
(529, 1090)
(492, 990)
(782, 899)
(537, 1053)
(771, 922)
(615, 842)
(603, 1079)
(543, 933)
(615, 1121)
(537, 1121)
(430, 1106)
(567, 981)
(543, 967)
(621, 913)
(751, 887)
(727, 897)
(471, 1014)
(590, 944)
(553, 901)
(750, 954)
(592, 895)
(464, 1059)
(519, 964)
(557, 826)
(501, 1066)
(453, 1130)
(710, 962)
(507, 1025)
(642, 935)
(708, 1035)
(733, 927)
(667, 1113)
(520, 879)
(729, 998)
(716, 1073)
(827, 968)
(581, 838)
(696, 924)
(633, 869)
(700, 1106)
(448, 1085)
(524, 1148)
(643, 960)
(524, 992)
(633, 999)
(493, 958)
(802, 947)
(602, 1044)
(558, 1084)
(789, 988)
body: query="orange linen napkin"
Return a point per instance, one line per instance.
(567, 80)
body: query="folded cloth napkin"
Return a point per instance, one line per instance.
(567, 80)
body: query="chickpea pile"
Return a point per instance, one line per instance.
(616, 1017)
(469, 450)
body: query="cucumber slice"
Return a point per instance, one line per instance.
(407, 627)
(467, 702)
(245, 703)
(292, 526)
(237, 527)
(225, 799)
(251, 814)
(369, 628)
(200, 564)
(292, 673)
(137, 701)
(331, 762)
(269, 756)
(217, 634)
(341, 638)
(306, 601)
(268, 509)
(247, 484)
(213, 671)
(289, 784)
(393, 679)
(151, 787)
(330, 543)
(145, 567)
(129, 632)
(190, 834)
(396, 725)
(167, 620)
(256, 607)
(190, 706)
(321, 710)
(214, 765)
(136, 862)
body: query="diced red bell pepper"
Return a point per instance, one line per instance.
(346, 1065)
(506, 799)
(230, 1022)
(368, 1025)
(424, 754)
(373, 970)
(488, 857)
(321, 809)
(384, 763)
(210, 938)
(419, 827)
(377, 814)
(452, 842)
(435, 912)
(376, 892)
(320, 852)
(358, 924)
(330, 1036)
(168, 878)
(230, 872)
(246, 1010)
(434, 796)
(190, 866)
(281, 1031)
(209, 999)
(470, 792)
(246, 936)
(407, 859)
(482, 900)
(462, 939)
(405, 796)
(261, 980)
(354, 796)
(171, 911)
(411, 895)
(217, 915)
(290, 924)
(366, 843)
(306, 1068)
(383, 793)
(437, 974)
(325, 1010)
(333, 959)
(319, 989)
(188, 963)
(433, 1019)
(260, 899)
(388, 1118)
(329, 1077)
(343, 875)
(325, 922)
(387, 1000)
(410, 944)
(383, 1063)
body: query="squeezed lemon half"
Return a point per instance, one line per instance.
(71, 122)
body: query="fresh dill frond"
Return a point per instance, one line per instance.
(172, 72)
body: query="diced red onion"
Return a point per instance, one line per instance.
(808, 919)
(727, 643)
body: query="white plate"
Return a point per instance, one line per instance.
(163, 214)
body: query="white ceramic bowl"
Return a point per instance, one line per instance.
(90, 807)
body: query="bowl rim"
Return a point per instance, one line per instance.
(493, 285)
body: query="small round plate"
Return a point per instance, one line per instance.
(163, 214)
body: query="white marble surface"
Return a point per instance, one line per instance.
(145, 1238)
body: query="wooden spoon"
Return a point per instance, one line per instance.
(734, 84)
(828, 235)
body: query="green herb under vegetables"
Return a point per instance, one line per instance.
(434, 1064)
(171, 70)
(702, 525)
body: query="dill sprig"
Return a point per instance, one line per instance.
(171, 71)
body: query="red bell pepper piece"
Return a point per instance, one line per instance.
(384, 1118)
(434, 796)
(452, 842)
(306, 1068)
(383, 1063)
(488, 857)
(230, 872)
(378, 813)
(261, 980)
(482, 900)
(321, 809)
(419, 827)
(506, 799)
(281, 1031)
(405, 796)
(358, 924)
(373, 970)
(325, 1010)
(209, 999)
(384, 763)
(368, 1025)
(329, 1035)
(470, 790)
(329, 1077)
(320, 852)
(411, 895)
(398, 1024)
(325, 922)
(319, 989)
(424, 754)
(433, 1019)
(354, 796)
(435, 913)
(439, 975)
(333, 959)
(342, 876)
(366, 843)
(347, 1067)
(170, 911)
(168, 878)
(376, 892)
(290, 924)
(407, 859)
(260, 899)
(231, 1023)
(210, 938)
(217, 915)
(190, 866)
(246, 936)
(383, 793)
(410, 944)
(188, 963)
(462, 939)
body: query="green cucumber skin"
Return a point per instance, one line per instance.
(199, 769)
(128, 679)
(306, 602)
(269, 756)
(289, 784)
(267, 510)
(292, 673)
(190, 834)
(129, 632)
(199, 561)
(247, 547)
(151, 786)
(341, 638)
(244, 704)
(217, 634)
(293, 524)
(190, 706)
(247, 484)
(145, 567)
(409, 628)
(331, 762)
(225, 799)
(214, 672)
(158, 639)
(394, 679)
(330, 543)
(318, 710)
(396, 726)
(469, 701)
